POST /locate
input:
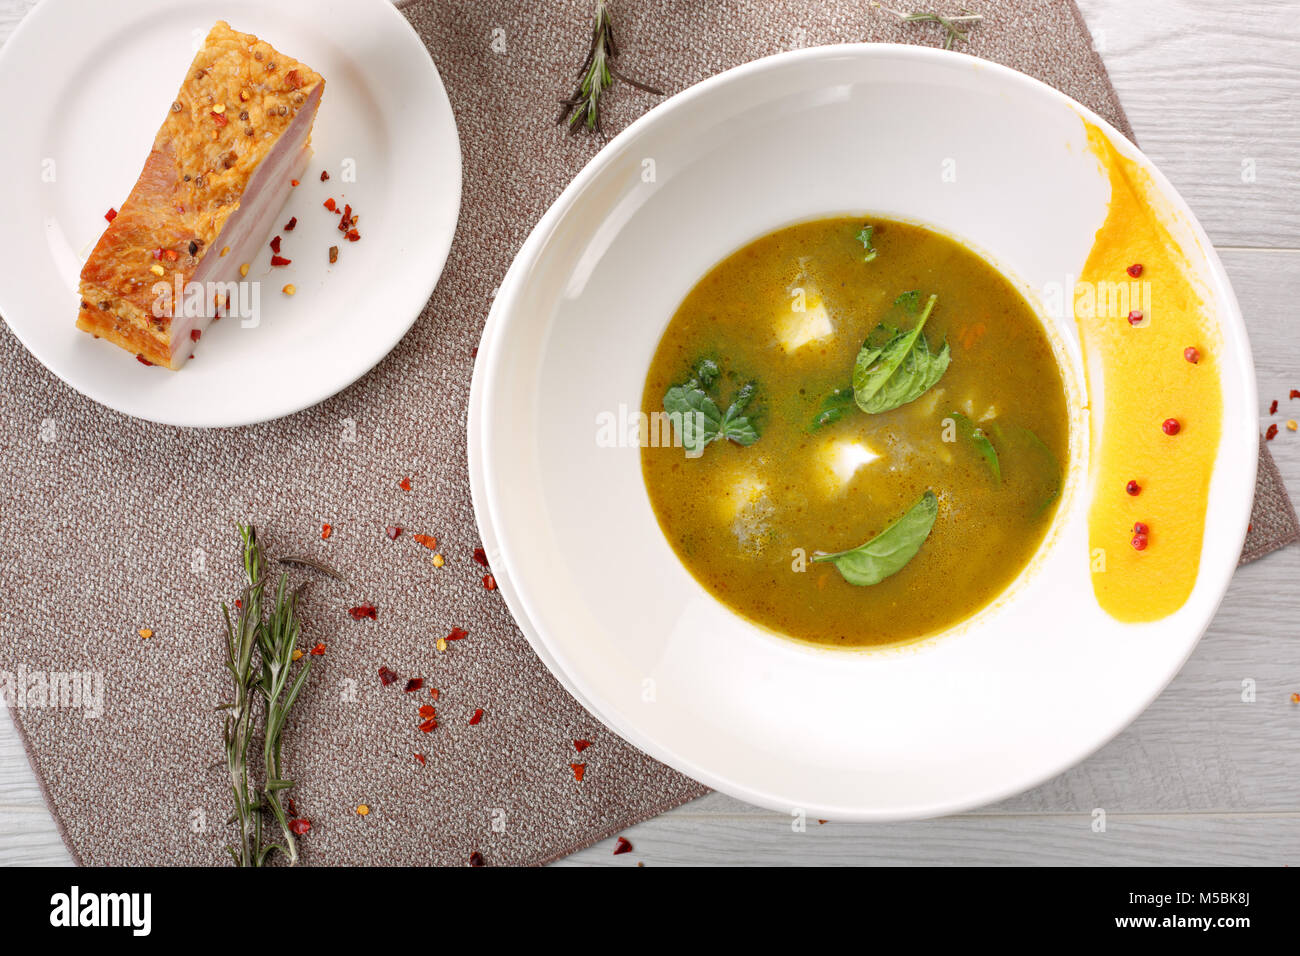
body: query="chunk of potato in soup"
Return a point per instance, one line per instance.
(789, 313)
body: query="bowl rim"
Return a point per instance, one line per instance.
(479, 458)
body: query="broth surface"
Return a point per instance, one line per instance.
(789, 313)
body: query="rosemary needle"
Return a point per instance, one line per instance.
(596, 76)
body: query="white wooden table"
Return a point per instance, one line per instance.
(1203, 777)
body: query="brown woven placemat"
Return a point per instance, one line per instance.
(111, 525)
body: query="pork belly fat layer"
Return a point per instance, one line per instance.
(250, 227)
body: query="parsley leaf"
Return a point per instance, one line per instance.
(864, 237)
(696, 417)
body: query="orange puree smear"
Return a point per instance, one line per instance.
(1144, 380)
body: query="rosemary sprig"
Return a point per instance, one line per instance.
(274, 641)
(952, 25)
(596, 76)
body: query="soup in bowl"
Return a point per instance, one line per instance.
(856, 431)
(898, 571)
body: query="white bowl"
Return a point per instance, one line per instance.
(1010, 698)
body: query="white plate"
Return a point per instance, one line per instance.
(84, 86)
(1024, 690)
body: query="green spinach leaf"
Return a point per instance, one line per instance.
(894, 367)
(967, 430)
(1043, 470)
(888, 552)
(833, 407)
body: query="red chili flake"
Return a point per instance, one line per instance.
(1295, 393)
(1191, 354)
(293, 809)
(478, 716)
(1295, 698)
(143, 361)
(1271, 433)
(489, 582)
(325, 531)
(623, 846)
(353, 235)
(195, 335)
(239, 605)
(433, 692)
(293, 183)
(346, 219)
(428, 540)
(393, 532)
(476, 859)
(171, 255)
(324, 176)
(219, 118)
(334, 254)
(1133, 488)
(386, 676)
(429, 726)
(1134, 270)
(405, 484)
(299, 827)
(481, 556)
(420, 759)
(1272, 408)
(415, 683)
(581, 745)
(458, 634)
(1171, 426)
(280, 261)
(330, 205)
(319, 650)
(362, 611)
(291, 225)
(427, 711)
(111, 215)
(578, 770)
(275, 245)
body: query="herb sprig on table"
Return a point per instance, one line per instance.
(952, 25)
(270, 677)
(596, 76)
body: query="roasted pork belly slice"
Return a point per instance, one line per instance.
(221, 169)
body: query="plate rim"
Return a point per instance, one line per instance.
(482, 496)
(308, 397)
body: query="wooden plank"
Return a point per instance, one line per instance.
(1210, 90)
(1066, 840)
